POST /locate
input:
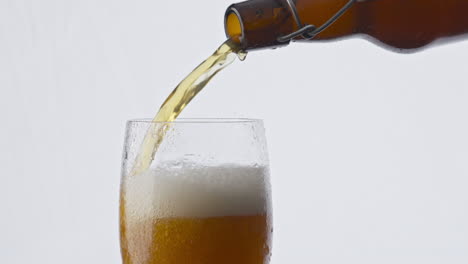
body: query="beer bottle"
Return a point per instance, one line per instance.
(401, 25)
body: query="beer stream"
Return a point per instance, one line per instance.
(180, 97)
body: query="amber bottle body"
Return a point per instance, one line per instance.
(403, 25)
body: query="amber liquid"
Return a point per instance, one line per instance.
(180, 97)
(212, 240)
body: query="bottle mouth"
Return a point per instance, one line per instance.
(257, 24)
(233, 25)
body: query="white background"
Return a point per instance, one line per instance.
(368, 148)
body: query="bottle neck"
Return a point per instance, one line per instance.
(259, 24)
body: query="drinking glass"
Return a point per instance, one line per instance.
(205, 199)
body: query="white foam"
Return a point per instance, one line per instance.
(193, 191)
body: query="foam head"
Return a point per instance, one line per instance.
(197, 191)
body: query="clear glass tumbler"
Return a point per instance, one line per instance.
(205, 199)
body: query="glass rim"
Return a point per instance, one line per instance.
(202, 120)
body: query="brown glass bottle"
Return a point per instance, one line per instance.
(402, 25)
